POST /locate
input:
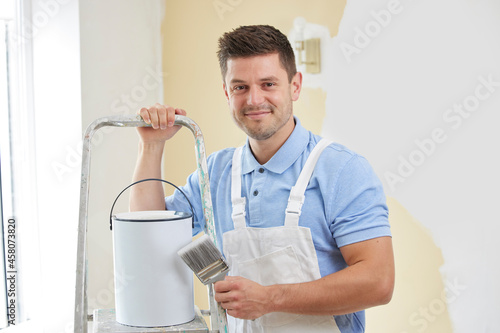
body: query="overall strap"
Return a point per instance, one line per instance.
(297, 193)
(238, 202)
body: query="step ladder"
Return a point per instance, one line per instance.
(104, 320)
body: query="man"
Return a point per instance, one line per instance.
(302, 221)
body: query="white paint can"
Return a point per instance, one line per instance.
(153, 286)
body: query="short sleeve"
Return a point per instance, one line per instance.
(359, 211)
(178, 202)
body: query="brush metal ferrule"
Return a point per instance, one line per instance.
(213, 272)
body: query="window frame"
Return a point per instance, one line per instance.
(18, 173)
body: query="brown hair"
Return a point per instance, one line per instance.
(252, 40)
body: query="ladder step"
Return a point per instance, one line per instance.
(105, 322)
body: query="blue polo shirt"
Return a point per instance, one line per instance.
(344, 201)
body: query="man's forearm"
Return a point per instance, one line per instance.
(148, 195)
(350, 290)
(367, 281)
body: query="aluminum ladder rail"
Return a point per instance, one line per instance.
(217, 313)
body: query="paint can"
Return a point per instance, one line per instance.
(153, 286)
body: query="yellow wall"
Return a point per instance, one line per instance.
(191, 29)
(418, 303)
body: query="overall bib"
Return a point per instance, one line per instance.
(276, 255)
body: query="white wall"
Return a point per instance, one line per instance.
(121, 71)
(415, 87)
(91, 59)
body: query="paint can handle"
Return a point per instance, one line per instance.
(145, 180)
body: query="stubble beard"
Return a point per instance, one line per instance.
(262, 131)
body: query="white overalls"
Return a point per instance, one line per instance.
(276, 255)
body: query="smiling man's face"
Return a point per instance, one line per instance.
(260, 96)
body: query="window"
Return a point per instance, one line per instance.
(19, 264)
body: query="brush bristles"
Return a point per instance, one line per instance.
(200, 254)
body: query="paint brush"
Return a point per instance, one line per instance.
(205, 260)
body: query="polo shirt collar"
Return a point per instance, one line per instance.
(284, 157)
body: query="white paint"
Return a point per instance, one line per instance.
(412, 66)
